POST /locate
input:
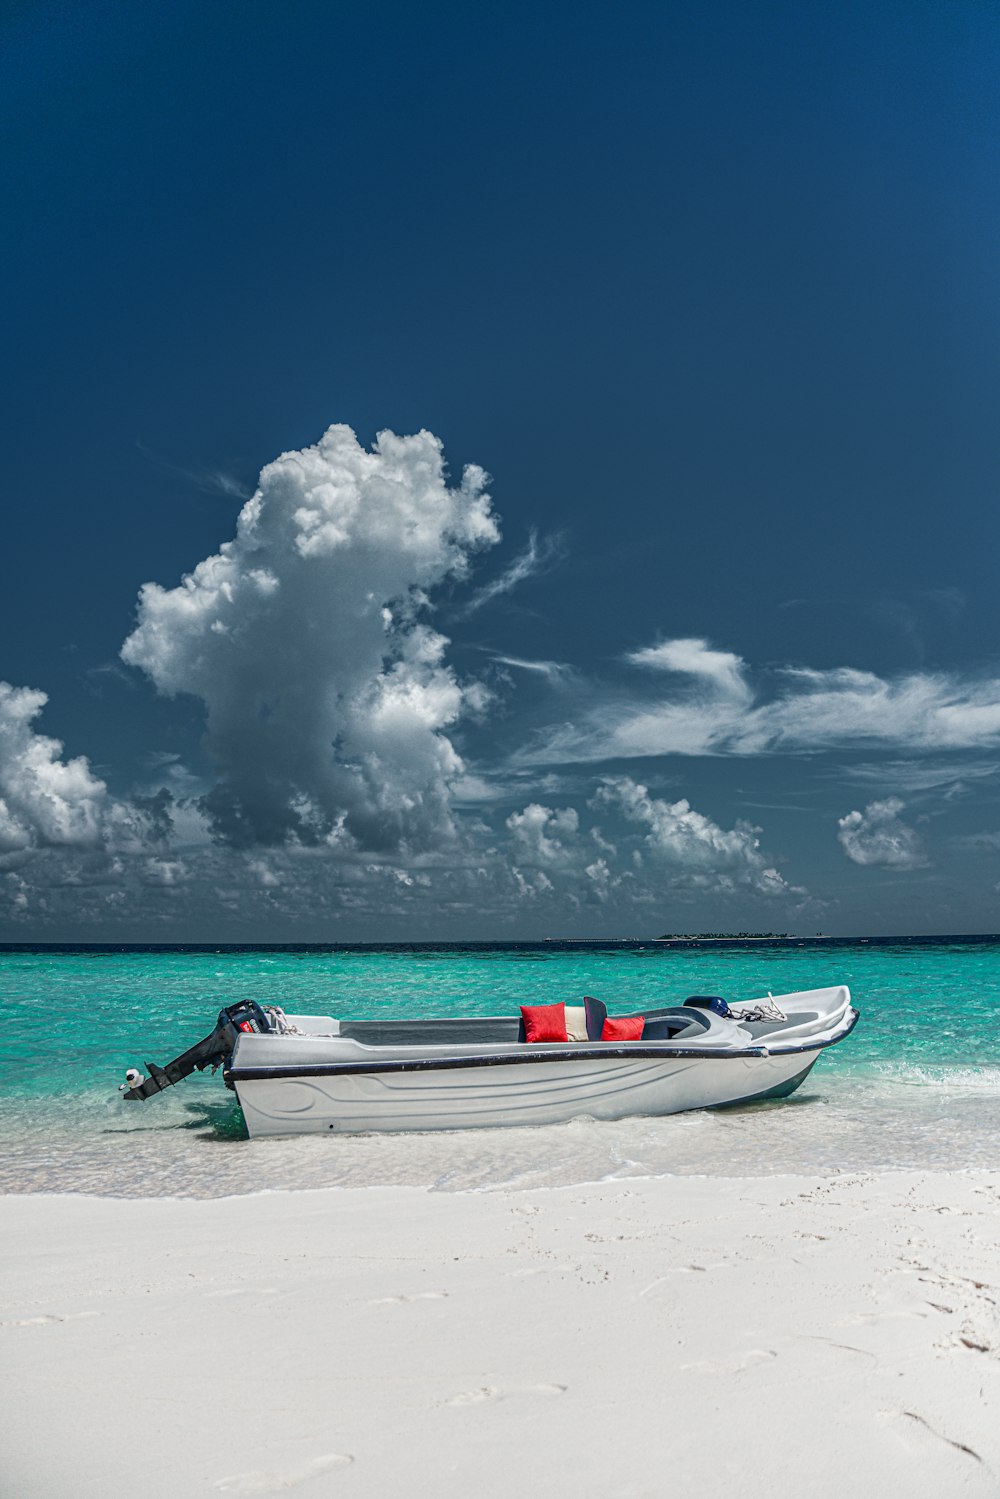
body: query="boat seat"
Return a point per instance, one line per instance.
(484, 1029)
(667, 1025)
(661, 1025)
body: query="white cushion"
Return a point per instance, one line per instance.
(576, 1022)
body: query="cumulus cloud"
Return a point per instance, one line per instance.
(718, 710)
(679, 849)
(45, 800)
(306, 637)
(709, 855)
(551, 859)
(877, 836)
(541, 835)
(164, 872)
(67, 845)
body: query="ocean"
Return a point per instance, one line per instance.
(916, 1085)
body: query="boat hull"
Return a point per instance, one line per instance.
(484, 1096)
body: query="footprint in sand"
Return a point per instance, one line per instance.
(915, 1431)
(664, 1280)
(405, 1300)
(243, 1291)
(258, 1482)
(47, 1319)
(731, 1366)
(475, 1397)
(491, 1392)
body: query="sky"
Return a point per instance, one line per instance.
(499, 473)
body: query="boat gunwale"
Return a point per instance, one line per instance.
(589, 1052)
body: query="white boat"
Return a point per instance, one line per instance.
(295, 1074)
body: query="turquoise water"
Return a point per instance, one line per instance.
(918, 1083)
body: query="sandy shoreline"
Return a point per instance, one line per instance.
(681, 1336)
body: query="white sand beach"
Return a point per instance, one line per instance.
(669, 1337)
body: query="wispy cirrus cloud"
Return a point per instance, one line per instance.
(538, 556)
(719, 708)
(982, 842)
(696, 658)
(557, 673)
(914, 776)
(208, 480)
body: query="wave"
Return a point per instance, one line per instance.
(940, 1075)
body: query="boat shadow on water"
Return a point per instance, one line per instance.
(211, 1121)
(768, 1105)
(223, 1122)
(218, 1121)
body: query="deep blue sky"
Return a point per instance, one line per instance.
(711, 292)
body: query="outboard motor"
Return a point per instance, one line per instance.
(247, 1016)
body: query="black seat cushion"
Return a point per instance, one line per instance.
(597, 1013)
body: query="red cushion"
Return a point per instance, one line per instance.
(544, 1022)
(624, 1028)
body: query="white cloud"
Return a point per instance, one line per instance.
(985, 840)
(45, 801)
(876, 836)
(18, 898)
(921, 775)
(541, 835)
(210, 480)
(63, 831)
(720, 712)
(536, 558)
(164, 872)
(920, 710)
(326, 691)
(706, 853)
(555, 672)
(696, 658)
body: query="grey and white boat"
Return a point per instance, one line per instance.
(295, 1074)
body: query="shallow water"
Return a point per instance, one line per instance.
(916, 1085)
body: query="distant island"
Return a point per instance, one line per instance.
(725, 937)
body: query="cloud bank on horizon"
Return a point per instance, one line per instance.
(333, 722)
